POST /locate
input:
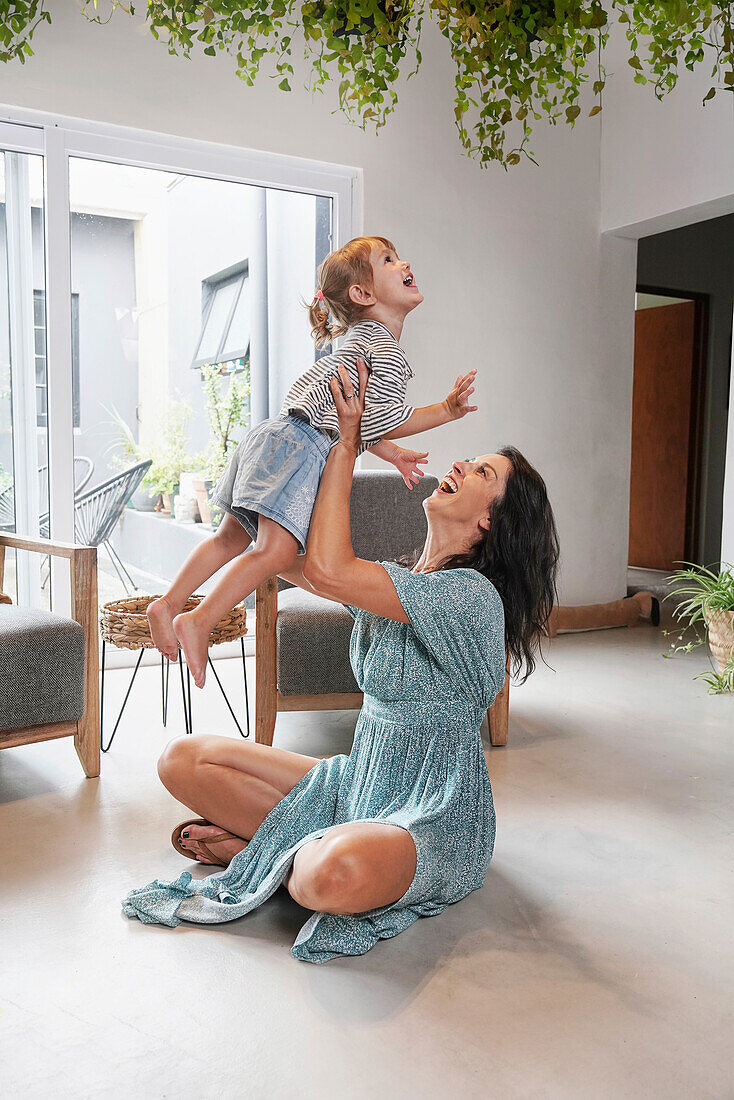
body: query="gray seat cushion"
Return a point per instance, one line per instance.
(313, 645)
(41, 668)
(313, 634)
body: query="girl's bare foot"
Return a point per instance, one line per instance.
(225, 849)
(160, 620)
(194, 641)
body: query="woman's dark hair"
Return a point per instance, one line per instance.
(519, 555)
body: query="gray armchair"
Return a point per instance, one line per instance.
(302, 640)
(49, 664)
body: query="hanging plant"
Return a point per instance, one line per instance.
(516, 62)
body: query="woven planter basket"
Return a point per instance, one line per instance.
(721, 636)
(123, 623)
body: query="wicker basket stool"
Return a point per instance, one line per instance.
(124, 624)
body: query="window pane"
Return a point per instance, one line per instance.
(238, 337)
(143, 245)
(218, 315)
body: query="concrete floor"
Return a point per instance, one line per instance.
(595, 962)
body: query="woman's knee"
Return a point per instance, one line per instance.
(180, 757)
(326, 878)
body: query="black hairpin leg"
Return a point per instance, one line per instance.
(244, 677)
(224, 694)
(188, 692)
(183, 694)
(124, 702)
(164, 687)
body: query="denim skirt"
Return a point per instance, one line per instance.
(275, 472)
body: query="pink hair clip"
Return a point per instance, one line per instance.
(319, 295)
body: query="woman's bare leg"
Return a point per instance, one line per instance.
(601, 616)
(355, 867)
(229, 541)
(229, 783)
(274, 550)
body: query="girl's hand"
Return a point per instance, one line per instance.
(350, 402)
(407, 463)
(457, 401)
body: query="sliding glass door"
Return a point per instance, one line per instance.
(187, 327)
(24, 476)
(154, 296)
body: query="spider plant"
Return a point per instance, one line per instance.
(700, 591)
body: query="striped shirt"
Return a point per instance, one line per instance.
(310, 395)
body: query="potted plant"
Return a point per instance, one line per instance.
(707, 599)
(227, 409)
(169, 456)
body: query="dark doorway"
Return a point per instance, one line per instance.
(671, 329)
(696, 262)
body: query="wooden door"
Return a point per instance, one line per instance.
(661, 427)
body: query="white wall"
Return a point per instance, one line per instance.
(661, 157)
(667, 164)
(510, 263)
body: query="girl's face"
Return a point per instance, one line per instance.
(393, 285)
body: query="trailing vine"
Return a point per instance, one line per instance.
(516, 62)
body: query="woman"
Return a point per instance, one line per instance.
(404, 825)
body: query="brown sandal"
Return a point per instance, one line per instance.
(204, 845)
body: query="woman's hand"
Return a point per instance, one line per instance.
(407, 464)
(457, 401)
(350, 403)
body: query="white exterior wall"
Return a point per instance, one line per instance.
(510, 263)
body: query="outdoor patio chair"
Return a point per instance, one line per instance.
(83, 470)
(97, 513)
(302, 640)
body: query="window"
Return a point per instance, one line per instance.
(225, 320)
(39, 337)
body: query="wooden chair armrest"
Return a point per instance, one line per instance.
(39, 546)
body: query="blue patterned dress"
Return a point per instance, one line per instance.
(417, 762)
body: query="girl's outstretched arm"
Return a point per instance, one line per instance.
(331, 567)
(406, 462)
(453, 407)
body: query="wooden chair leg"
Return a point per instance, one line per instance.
(498, 715)
(266, 662)
(86, 743)
(84, 610)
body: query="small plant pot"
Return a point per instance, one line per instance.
(144, 501)
(721, 637)
(202, 488)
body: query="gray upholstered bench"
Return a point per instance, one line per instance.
(302, 641)
(48, 663)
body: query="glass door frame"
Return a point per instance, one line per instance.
(58, 138)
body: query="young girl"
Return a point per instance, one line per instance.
(269, 486)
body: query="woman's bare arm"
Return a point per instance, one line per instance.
(331, 567)
(294, 575)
